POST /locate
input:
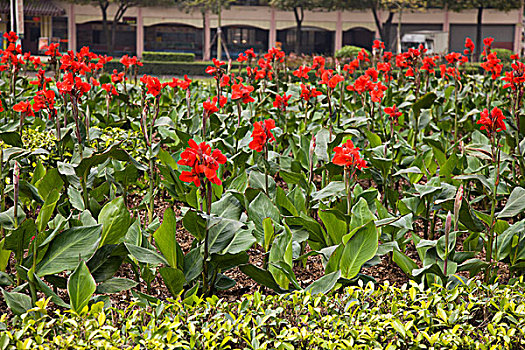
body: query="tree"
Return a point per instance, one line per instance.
(391, 6)
(213, 6)
(298, 7)
(480, 5)
(121, 7)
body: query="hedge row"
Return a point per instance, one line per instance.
(168, 68)
(168, 56)
(368, 317)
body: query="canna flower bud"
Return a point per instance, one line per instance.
(16, 188)
(16, 176)
(457, 206)
(448, 223)
(312, 149)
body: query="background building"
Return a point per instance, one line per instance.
(173, 30)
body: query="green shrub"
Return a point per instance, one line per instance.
(169, 68)
(369, 317)
(504, 55)
(168, 56)
(349, 51)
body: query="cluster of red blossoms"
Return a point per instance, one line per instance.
(281, 102)
(394, 113)
(348, 156)
(492, 122)
(262, 134)
(152, 84)
(203, 162)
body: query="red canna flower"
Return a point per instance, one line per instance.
(319, 62)
(25, 108)
(242, 58)
(11, 37)
(348, 156)
(44, 99)
(225, 81)
(363, 56)
(203, 162)
(492, 122)
(110, 89)
(302, 72)
(262, 134)
(493, 65)
(210, 106)
(488, 41)
(372, 73)
(250, 53)
(378, 45)
(239, 91)
(153, 84)
(393, 112)
(309, 92)
(330, 79)
(281, 102)
(469, 46)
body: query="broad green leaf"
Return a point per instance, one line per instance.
(281, 250)
(404, 262)
(361, 215)
(67, 248)
(358, 250)
(269, 233)
(284, 203)
(227, 207)
(44, 288)
(261, 276)
(80, 287)
(336, 226)
(145, 255)
(334, 189)
(324, 284)
(18, 303)
(47, 210)
(166, 240)
(115, 285)
(114, 218)
(174, 279)
(222, 232)
(515, 204)
(261, 208)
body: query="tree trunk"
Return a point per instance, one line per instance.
(479, 27)
(299, 16)
(113, 37)
(116, 19)
(387, 27)
(398, 37)
(105, 26)
(379, 26)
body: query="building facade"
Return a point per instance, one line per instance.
(170, 29)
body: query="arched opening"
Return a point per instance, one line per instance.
(359, 36)
(173, 37)
(92, 34)
(314, 40)
(239, 38)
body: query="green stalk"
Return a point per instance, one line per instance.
(205, 288)
(266, 170)
(491, 237)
